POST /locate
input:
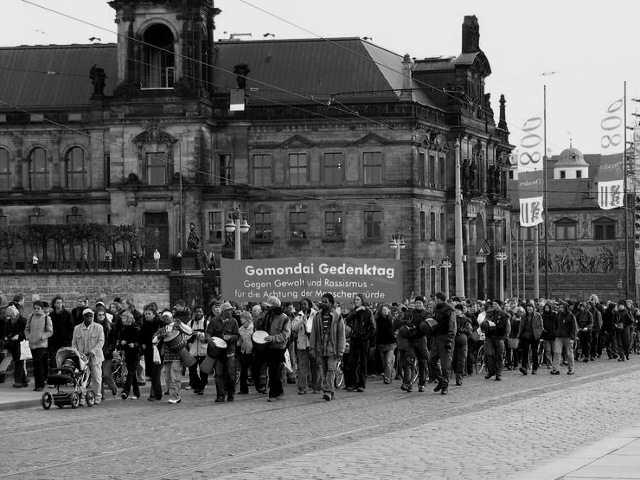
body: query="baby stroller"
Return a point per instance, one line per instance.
(72, 370)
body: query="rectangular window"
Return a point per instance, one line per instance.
(432, 171)
(262, 170)
(373, 225)
(156, 168)
(215, 227)
(604, 231)
(443, 230)
(225, 169)
(527, 234)
(262, 226)
(432, 280)
(423, 278)
(372, 168)
(443, 283)
(432, 227)
(565, 232)
(578, 174)
(298, 169)
(333, 225)
(422, 166)
(423, 227)
(441, 172)
(510, 174)
(563, 174)
(333, 169)
(298, 225)
(5, 175)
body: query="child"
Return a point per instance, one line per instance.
(246, 349)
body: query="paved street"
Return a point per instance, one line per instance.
(486, 429)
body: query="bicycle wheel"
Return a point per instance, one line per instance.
(479, 363)
(415, 372)
(339, 378)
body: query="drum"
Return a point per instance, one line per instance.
(259, 343)
(175, 340)
(487, 326)
(207, 365)
(217, 348)
(429, 326)
(186, 358)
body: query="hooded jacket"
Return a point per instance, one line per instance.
(337, 338)
(566, 325)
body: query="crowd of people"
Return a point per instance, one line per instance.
(266, 345)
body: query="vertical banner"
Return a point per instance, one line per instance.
(610, 176)
(531, 173)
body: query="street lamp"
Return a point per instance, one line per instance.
(397, 243)
(501, 256)
(446, 264)
(237, 224)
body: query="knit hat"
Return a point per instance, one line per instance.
(226, 306)
(271, 302)
(329, 297)
(419, 298)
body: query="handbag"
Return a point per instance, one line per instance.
(287, 362)
(156, 356)
(513, 343)
(25, 351)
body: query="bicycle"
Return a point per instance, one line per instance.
(338, 380)
(118, 369)
(479, 361)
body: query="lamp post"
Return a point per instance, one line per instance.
(397, 243)
(237, 224)
(501, 256)
(446, 264)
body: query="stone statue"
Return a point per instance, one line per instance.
(241, 70)
(98, 79)
(464, 171)
(471, 180)
(194, 239)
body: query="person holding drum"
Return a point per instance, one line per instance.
(327, 343)
(198, 349)
(224, 327)
(497, 328)
(278, 325)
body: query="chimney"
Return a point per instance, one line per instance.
(470, 34)
(407, 64)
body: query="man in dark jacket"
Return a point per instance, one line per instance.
(585, 327)
(566, 328)
(443, 335)
(494, 339)
(225, 366)
(416, 346)
(63, 326)
(278, 325)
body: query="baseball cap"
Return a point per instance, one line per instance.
(87, 311)
(272, 302)
(226, 306)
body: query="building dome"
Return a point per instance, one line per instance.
(571, 157)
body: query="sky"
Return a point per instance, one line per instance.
(583, 51)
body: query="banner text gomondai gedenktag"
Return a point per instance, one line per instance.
(291, 279)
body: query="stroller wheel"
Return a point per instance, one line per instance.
(46, 400)
(75, 400)
(91, 398)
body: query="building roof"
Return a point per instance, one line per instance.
(53, 76)
(345, 70)
(571, 157)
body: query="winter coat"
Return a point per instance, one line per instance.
(337, 339)
(38, 330)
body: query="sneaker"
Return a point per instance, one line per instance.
(438, 388)
(174, 400)
(302, 392)
(458, 383)
(570, 372)
(444, 391)
(488, 376)
(533, 372)
(498, 378)
(522, 371)
(188, 387)
(270, 399)
(327, 396)
(151, 399)
(230, 398)
(124, 395)
(421, 388)
(134, 397)
(349, 389)
(360, 389)
(405, 387)
(200, 392)
(314, 391)
(554, 372)
(97, 401)
(219, 399)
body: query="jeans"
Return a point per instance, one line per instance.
(549, 348)
(440, 353)
(560, 344)
(95, 382)
(494, 355)
(416, 349)
(329, 365)
(131, 360)
(275, 366)
(358, 353)
(174, 378)
(13, 355)
(585, 342)
(305, 370)
(387, 352)
(197, 378)
(258, 369)
(39, 356)
(107, 376)
(225, 369)
(460, 356)
(529, 344)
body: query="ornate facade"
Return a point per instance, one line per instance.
(327, 147)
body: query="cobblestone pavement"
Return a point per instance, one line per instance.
(485, 429)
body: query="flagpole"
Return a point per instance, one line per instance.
(546, 204)
(626, 198)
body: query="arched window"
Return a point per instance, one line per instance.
(38, 170)
(5, 175)
(76, 169)
(158, 58)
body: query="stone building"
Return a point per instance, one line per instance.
(327, 146)
(586, 245)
